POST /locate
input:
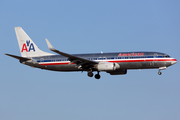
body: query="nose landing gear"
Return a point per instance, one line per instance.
(161, 68)
(159, 72)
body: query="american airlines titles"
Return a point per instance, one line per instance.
(131, 54)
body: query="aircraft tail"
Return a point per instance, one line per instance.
(27, 47)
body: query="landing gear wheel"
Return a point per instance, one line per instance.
(159, 73)
(97, 76)
(90, 74)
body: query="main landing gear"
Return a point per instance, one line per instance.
(90, 74)
(97, 76)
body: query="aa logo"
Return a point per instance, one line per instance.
(28, 46)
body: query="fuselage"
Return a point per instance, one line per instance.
(126, 60)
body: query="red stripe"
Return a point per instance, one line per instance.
(116, 61)
(143, 60)
(55, 63)
(166, 60)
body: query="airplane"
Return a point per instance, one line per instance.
(113, 63)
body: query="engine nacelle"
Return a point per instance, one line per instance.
(118, 72)
(107, 66)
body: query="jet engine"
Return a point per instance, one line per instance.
(107, 66)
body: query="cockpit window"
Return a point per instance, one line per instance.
(166, 56)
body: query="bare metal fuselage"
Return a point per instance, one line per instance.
(148, 60)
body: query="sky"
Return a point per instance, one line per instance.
(90, 27)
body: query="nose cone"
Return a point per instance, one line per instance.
(173, 61)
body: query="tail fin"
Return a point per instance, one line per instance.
(27, 47)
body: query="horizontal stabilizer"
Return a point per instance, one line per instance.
(18, 57)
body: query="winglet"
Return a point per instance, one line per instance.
(49, 45)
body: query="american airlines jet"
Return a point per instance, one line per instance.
(113, 63)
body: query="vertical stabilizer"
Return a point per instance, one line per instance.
(27, 47)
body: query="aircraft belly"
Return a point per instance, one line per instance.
(130, 65)
(66, 68)
(162, 63)
(143, 65)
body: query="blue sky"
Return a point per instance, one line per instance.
(90, 27)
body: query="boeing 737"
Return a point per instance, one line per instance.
(113, 63)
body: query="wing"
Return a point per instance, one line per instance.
(74, 59)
